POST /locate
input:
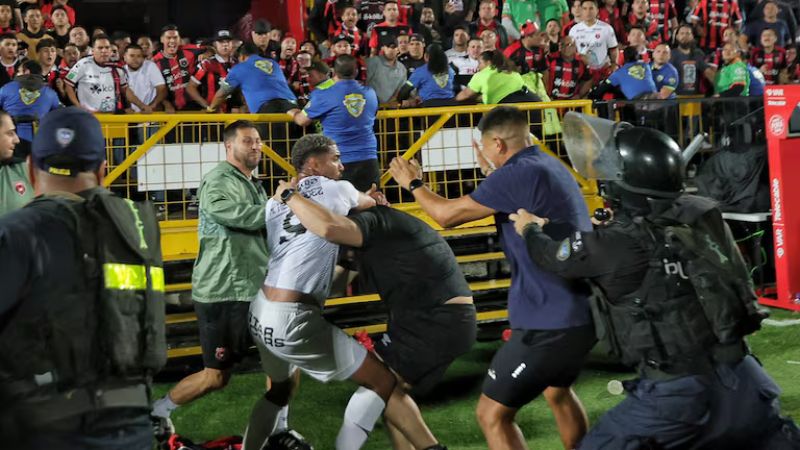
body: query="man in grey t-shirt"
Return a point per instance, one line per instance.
(385, 74)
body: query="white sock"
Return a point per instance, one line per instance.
(263, 424)
(363, 410)
(283, 420)
(163, 407)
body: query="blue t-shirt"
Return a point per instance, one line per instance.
(634, 79)
(666, 75)
(430, 86)
(347, 111)
(17, 101)
(261, 80)
(533, 180)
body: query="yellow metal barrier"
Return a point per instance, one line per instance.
(163, 157)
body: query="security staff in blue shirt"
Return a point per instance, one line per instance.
(26, 99)
(632, 81)
(262, 82)
(347, 111)
(432, 81)
(665, 75)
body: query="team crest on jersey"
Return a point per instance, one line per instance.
(28, 97)
(564, 250)
(636, 71)
(20, 188)
(441, 79)
(354, 104)
(265, 66)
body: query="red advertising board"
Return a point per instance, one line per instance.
(782, 123)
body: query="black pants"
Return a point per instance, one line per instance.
(362, 174)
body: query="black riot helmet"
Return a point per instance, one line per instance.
(652, 162)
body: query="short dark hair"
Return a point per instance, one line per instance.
(170, 27)
(319, 66)
(100, 37)
(590, 1)
(630, 54)
(503, 117)
(461, 26)
(685, 25)
(44, 43)
(58, 8)
(32, 66)
(309, 146)
(133, 47)
(229, 133)
(247, 49)
(345, 67)
(5, 36)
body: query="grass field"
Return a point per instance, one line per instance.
(317, 410)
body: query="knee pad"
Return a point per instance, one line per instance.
(364, 408)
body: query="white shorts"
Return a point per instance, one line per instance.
(292, 335)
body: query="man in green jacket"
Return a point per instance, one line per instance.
(229, 270)
(15, 188)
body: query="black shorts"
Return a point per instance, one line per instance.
(362, 174)
(421, 344)
(224, 332)
(277, 106)
(532, 360)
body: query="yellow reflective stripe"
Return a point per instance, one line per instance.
(124, 276)
(157, 278)
(132, 277)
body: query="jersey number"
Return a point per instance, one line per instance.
(291, 230)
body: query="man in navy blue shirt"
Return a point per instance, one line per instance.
(27, 98)
(347, 111)
(552, 327)
(262, 82)
(665, 75)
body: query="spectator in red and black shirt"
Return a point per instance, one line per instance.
(71, 55)
(640, 17)
(342, 45)
(299, 81)
(769, 58)
(637, 39)
(664, 13)
(7, 24)
(48, 8)
(311, 48)
(47, 51)
(211, 71)
(552, 35)
(177, 63)
(527, 53)
(711, 17)
(487, 13)
(415, 57)
(567, 77)
(8, 58)
(261, 38)
(61, 26)
(287, 59)
(611, 14)
(389, 29)
(348, 26)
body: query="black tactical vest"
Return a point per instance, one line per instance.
(696, 294)
(109, 329)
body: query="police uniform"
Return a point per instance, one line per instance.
(672, 297)
(82, 305)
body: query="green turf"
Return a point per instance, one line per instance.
(317, 410)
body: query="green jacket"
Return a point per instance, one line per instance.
(232, 261)
(15, 189)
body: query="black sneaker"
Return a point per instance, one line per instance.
(287, 440)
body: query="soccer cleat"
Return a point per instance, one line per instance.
(287, 440)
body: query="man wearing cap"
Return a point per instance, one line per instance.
(385, 73)
(526, 53)
(389, 29)
(177, 63)
(487, 13)
(15, 188)
(211, 71)
(267, 48)
(416, 54)
(347, 112)
(342, 44)
(82, 310)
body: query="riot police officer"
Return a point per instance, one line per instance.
(82, 301)
(672, 297)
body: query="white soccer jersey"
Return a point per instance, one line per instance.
(298, 259)
(95, 84)
(595, 41)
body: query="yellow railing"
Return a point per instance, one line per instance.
(164, 156)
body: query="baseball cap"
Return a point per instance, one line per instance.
(416, 37)
(388, 41)
(261, 26)
(342, 37)
(223, 35)
(528, 28)
(69, 141)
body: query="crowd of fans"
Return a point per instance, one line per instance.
(616, 49)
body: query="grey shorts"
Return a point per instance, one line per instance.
(290, 335)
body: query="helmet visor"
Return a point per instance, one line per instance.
(590, 146)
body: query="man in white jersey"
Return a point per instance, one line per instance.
(596, 42)
(286, 319)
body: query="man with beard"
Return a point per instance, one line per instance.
(15, 187)
(690, 63)
(211, 71)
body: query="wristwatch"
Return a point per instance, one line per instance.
(414, 184)
(287, 194)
